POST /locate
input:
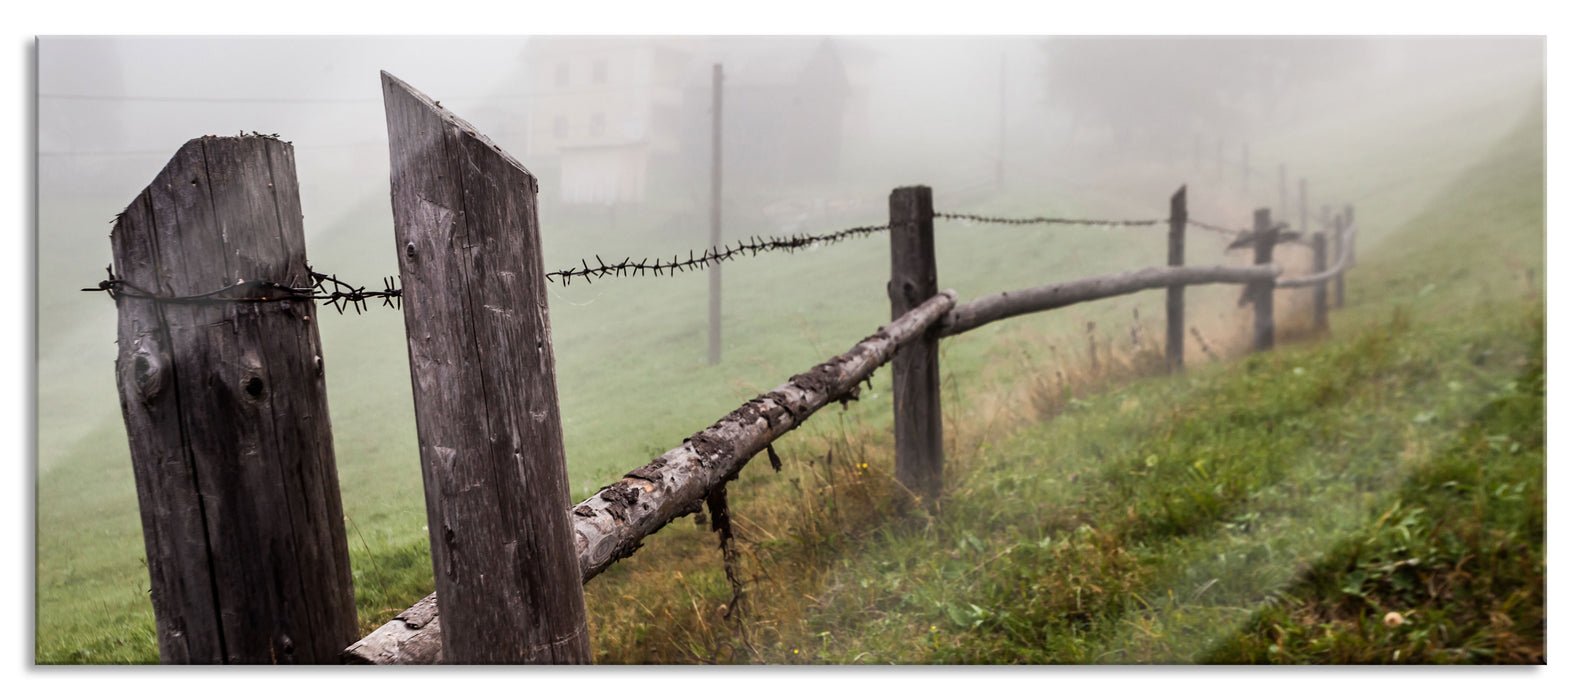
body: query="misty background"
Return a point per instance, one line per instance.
(817, 131)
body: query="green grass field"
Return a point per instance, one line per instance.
(977, 582)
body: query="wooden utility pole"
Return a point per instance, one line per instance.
(999, 163)
(1264, 235)
(715, 183)
(1246, 168)
(919, 424)
(483, 388)
(226, 414)
(1285, 210)
(1175, 295)
(1219, 160)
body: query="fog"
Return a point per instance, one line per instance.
(816, 132)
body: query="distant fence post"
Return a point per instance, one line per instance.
(226, 414)
(1175, 295)
(1301, 205)
(715, 183)
(483, 385)
(1340, 244)
(1351, 239)
(1320, 290)
(919, 425)
(1246, 168)
(1219, 159)
(1264, 235)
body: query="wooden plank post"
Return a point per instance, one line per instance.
(1340, 279)
(226, 414)
(483, 386)
(1263, 292)
(715, 185)
(919, 423)
(1175, 295)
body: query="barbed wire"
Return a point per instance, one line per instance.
(1215, 229)
(711, 256)
(1009, 221)
(327, 288)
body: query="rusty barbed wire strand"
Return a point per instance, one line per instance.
(753, 246)
(1009, 221)
(327, 288)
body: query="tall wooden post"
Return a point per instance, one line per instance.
(1320, 290)
(919, 424)
(1246, 169)
(1285, 211)
(715, 185)
(1175, 295)
(226, 414)
(999, 163)
(1301, 204)
(1263, 292)
(483, 386)
(1340, 243)
(1219, 160)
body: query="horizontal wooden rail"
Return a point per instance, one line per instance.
(612, 523)
(1342, 263)
(1053, 296)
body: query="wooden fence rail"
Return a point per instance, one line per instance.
(611, 524)
(228, 423)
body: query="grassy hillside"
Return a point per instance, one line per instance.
(637, 339)
(1376, 496)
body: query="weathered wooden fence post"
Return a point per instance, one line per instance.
(1340, 244)
(919, 424)
(1320, 290)
(715, 186)
(483, 385)
(1264, 235)
(226, 413)
(1175, 295)
(1351, 239)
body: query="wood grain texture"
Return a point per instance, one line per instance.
(919, 422)
(1175, 294)
(995, 307)
(611, 524)
(227, 416)
(1262, 292)
(483, 385)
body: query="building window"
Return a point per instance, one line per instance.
(560, 127)
(599, 71)
(596, 125)
(562, 74)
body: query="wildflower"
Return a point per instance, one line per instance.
(1393, 619)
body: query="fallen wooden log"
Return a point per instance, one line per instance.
(612, 523)
(995, 307)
